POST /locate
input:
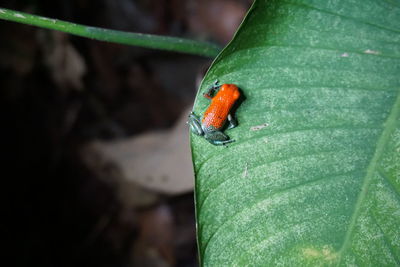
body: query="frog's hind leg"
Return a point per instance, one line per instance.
(217, 138)
(220, 143)
(195, 124)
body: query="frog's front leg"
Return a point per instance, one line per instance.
(210, 91)
(195, 124)
(232, 122)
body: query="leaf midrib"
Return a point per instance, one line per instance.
(388, 128)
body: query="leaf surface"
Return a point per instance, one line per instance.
(314, 175)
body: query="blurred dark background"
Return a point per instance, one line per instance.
(60, 92)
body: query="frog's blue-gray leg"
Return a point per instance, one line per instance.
(232, 122)
(217, 137)
(195, 124)
(210, 91)
(220, 143)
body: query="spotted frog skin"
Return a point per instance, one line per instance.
(222, 97)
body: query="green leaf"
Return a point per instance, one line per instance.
(314, 175)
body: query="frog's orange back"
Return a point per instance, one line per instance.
(220, 106)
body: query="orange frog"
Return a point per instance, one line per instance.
(217, 114)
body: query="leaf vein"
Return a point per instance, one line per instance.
(211, 156)
(314, 153)
(389, 183)
(261, 200)
(342, 16)
(386, 240)
(383, 139)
